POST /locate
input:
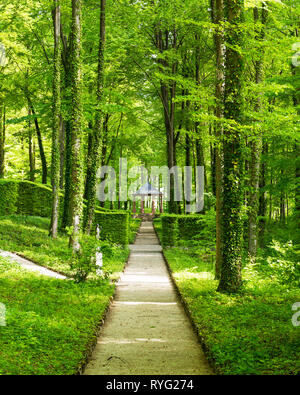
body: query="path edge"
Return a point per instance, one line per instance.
(200, 338)
(92, 345)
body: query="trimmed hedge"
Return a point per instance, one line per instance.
(188, 226)
(34, 199)
(28, 198)
(176, 228)
(8, 197)
(169, 230)
(114, 226)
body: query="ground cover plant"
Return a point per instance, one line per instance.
(29, 237)
(50, 324)
(249, 332)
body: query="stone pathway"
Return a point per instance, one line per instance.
(147, 331)
(28, 265)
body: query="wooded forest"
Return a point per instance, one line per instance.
(189, 83)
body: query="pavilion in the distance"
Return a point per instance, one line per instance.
(144, 192)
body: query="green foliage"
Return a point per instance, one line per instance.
(114, 226)
(188, 227)
(29, 237)
(280, 262)
(28, 198)
(246, 333)
(182, 229)
(134, 225)
(50, 323)
(34, 199)
(225, 321)
(169, 230)
(8, 197)
(83, 262)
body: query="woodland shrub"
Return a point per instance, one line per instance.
(188, 226)
(180, 228)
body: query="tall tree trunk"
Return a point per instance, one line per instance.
(40, 142)
(262, 211)
(62, 137)
(96, 136)
(198, 132)
(167, 96)
(217, 18)
(88, 160)
(2, 139)
(282, 200)
(230, 279)
(56, 122)
(66, 61)
(66, 218)
(296, 100)
(187, 164)
(76, 190)
(31, 152)
(256, 144)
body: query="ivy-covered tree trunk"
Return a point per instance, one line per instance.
(96, 135)
(296, 101)
(230, 279)
(56, 122)
(262, 209)
(40, 142)
(62, 137)
(2, 139)
(66, 61)
(31, 151)
(76, 188)
(66, 218)
(198, 131)
(256, 144)
(217, 18)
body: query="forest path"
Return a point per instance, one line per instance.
(28, 265)
(147, 331)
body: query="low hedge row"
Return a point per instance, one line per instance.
(28, 198)
(9, 191)
(25, 197)
(177, 228)
(169, 230)
(114, 226)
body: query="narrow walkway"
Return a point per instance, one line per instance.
(147, 331)
(28, 265)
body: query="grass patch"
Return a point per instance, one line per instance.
(50, 323)
(247, 333)
(28, 236)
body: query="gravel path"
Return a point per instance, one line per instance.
(28, 265)
(147, 331)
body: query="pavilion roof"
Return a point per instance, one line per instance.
(147, 190)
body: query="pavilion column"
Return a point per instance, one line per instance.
(134, 207)
(142, 206)
(153, 207)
